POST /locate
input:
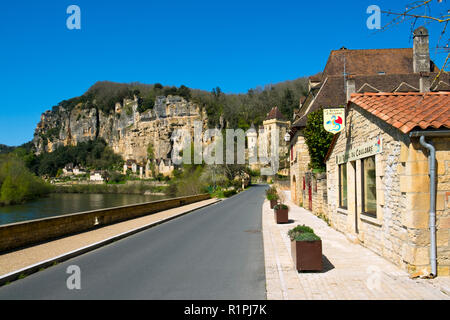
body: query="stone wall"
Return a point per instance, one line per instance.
(298, 167)
(319, 194)
(32, 232)
(415, 185)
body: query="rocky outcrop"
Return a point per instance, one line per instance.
(127, 131)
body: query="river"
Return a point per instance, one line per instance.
(64, 203)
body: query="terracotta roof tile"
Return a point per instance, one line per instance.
(406, 111)
(275, 114)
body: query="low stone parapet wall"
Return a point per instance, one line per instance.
(20, 234)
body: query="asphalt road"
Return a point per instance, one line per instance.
(212, 253)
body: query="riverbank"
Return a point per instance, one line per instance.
(136, 187)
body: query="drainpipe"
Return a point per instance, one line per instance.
(432, 173)
(432, 223)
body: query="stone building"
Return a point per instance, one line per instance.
(276, 123)
(164, 167)
(378, 177)
(358, 71)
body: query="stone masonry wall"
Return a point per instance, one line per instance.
(415, 187)
(299, 166)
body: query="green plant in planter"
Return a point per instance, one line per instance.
(306, 236)
(272, 196)
(299, 232)
(272, 193)
(280, 206)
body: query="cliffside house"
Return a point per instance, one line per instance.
(130, 164)
(356, 71)
(381, 173)
(97, 176)
(68, 169)
(164, 167)
(78, 171)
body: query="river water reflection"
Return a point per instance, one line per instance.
(64, 203)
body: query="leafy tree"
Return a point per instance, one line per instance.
(184, 92)
(17, 183)
(93, 154)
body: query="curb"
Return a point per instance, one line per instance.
(13, 276)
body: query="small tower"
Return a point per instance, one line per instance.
(252, 142)
(275, 121)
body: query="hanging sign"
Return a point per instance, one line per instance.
(334, 119)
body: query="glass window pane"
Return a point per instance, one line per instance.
(343, 185)
(370, 190)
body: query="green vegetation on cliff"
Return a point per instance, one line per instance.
(232, 110)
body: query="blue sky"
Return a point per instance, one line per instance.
(236, 45)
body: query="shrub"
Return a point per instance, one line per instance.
(302, 233)
(280, 207)
(17, 183)
(229, 193)
(272, 196)
(272, 193)
(306, 236)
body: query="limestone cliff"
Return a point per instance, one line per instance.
(127, 131)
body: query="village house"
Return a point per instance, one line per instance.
(77, 170)
(356, 71)
(164, 167)
(97, 176)
(68, 169)
(388, 178)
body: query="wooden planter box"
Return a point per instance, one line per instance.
(307, 255)
(273, 203)
(281, 215)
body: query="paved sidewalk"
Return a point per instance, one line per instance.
(351, 271)
(20, 259)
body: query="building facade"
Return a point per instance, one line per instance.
(357, 71)
(378, 177)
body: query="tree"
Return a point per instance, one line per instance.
(150, 152)
(184, 92)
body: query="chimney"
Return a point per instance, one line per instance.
(424, 82)
(350, 86)
(421, 50)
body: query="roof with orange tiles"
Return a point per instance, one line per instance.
(409, 110)
(275, 114)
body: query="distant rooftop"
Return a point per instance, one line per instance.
(275, 114)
